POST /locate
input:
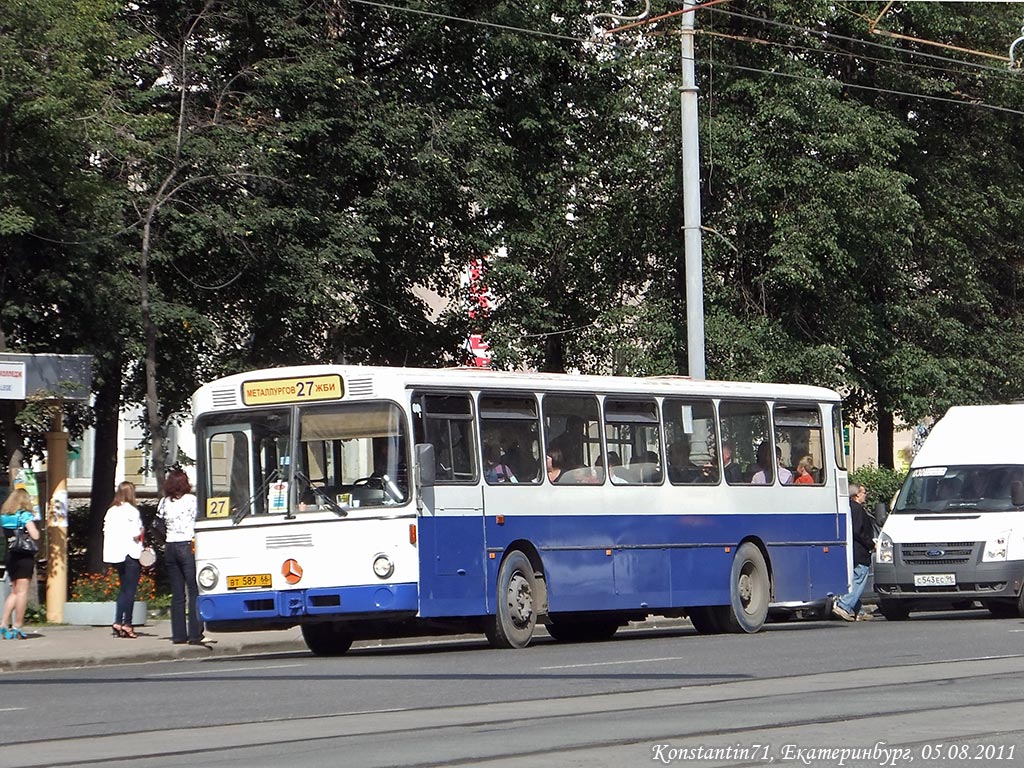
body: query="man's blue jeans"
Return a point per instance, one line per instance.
(851, 601)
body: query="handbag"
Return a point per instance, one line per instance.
(148, 558)
(23, 542)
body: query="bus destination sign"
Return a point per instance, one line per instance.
(292, 390)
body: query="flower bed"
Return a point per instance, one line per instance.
(94, 595)
(103, 587)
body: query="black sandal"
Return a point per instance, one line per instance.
(117, 630)
(128, 632)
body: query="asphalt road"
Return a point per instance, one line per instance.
(938, 690)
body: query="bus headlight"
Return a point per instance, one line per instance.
(208, 577)
(996, 547)
(382, 566)
(883, 551)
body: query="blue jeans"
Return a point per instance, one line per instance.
(851, 601)
(181, 572)
(129, 572)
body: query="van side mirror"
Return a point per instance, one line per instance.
(1017, 493)
(881, 513)
(426, 469)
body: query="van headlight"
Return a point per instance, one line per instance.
(996, 548)
(208, 577)
(883, 550)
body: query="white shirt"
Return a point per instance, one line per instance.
(121, 525)
(180, 516)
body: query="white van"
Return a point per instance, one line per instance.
(956, 530)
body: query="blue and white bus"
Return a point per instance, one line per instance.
(367, 502)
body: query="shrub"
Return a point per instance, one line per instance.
(881, 482)
(103, 587)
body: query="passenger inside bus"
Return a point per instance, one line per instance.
(570, 442)
(496, 468)
(554, 464)
(680, 468)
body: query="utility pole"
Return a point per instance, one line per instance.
(691, 203)
(56, 517)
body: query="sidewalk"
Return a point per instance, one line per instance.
(62, 646)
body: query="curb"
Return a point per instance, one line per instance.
(170, 653)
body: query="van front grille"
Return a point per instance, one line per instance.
(947, 553)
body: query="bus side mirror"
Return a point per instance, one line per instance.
(881, 513)
(426, 469)
(1017, 493)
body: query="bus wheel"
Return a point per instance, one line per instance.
(750, 591)
(326, 639)
(894, 610)
(705, 619)
(516, 616)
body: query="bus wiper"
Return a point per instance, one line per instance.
(246, 509)
(334, 506)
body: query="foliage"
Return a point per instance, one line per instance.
(189, 190)
(103, 587)
(882, 483)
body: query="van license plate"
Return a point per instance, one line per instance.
(934, 579)
(249, 581)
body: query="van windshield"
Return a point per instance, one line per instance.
(959, 488)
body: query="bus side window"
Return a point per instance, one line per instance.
(800, 438)
(446, 422)
(690, 434)
(632, 431)
(573, 427)
(510, 433)
(743, 425)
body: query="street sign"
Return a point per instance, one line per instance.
(12, 381)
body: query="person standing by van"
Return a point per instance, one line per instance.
(848, 607)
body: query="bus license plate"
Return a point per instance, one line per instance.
(249, 581)
(934, 579)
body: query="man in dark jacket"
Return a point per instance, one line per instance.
(848, 606)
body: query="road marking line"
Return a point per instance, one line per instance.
(610, 663)
(218, 670)
(11, 709)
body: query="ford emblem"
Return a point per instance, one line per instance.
(935, 552)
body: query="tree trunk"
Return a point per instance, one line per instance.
(104, 465)
(153, 420)
(885, 432)
(554, 354)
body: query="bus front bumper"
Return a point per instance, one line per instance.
(271, 607)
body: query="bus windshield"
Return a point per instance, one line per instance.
(351, 455)
(348, 456)
(959, 488)
(247, 458)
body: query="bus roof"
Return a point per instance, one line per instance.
(975, 434)
(373, 381)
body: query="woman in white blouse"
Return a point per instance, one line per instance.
(178, 511)
(122, 546)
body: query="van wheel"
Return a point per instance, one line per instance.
(749, 592)
(1003, 609)
(516, 613)
(894, 610)
(327, 639)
